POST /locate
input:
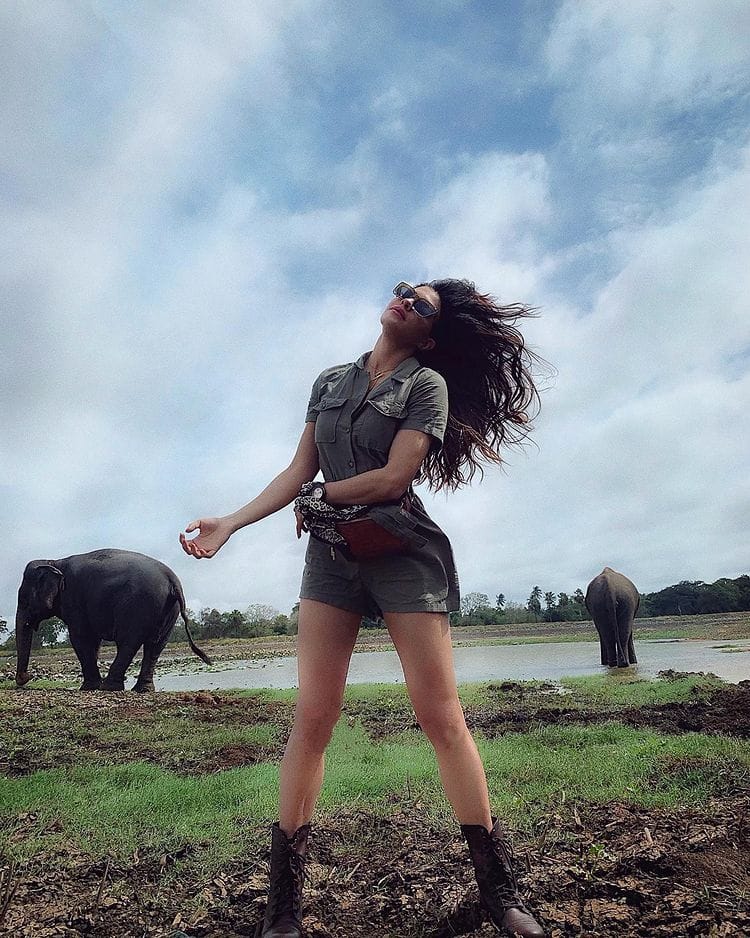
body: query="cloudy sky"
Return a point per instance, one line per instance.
(205, 202)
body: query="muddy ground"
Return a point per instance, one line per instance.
(591, 870)
(611, 870)
(511, 707)
(515, 709)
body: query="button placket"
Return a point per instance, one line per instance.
(357, 405)
(345, 439)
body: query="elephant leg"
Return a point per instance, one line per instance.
(624, 634)
(631, 650)
(115, 679)
(609, 647)
(602, 643)
(87, 652)
(151, 652)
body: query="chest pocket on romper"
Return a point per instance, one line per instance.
(329, 411)
(376, 426)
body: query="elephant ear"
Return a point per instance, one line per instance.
(50, 581)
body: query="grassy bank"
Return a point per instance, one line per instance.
(148, 815)
(113, 773)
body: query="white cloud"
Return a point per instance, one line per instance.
(645, 94)
(487, 220)
(677, 306)
(170, 291)
(627, 57)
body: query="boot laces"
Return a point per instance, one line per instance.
(286, 894)
(505, 886)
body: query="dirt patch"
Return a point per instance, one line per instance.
(515, 708)
(725, 712)
(589, 870)
(62, 728)
(65, 727)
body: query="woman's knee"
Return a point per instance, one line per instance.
(314, 724)
(444, 727)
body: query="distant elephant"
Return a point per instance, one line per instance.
(113, 595)
(613, 601)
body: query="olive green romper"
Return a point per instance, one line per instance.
(353, 432)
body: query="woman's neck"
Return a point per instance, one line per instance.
(386, 356)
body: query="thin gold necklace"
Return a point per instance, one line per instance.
(379, 374)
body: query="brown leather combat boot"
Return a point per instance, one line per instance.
(284, 908)
(493, 863)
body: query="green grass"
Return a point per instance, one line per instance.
(605, 763)
(44, 684)
(172, 735)
(188, 735)
(116, 809)
(119, 808)
(107, 808)
(626, 690)
(283, 694)
(601, 691)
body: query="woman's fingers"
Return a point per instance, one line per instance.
(212, 533)
(187, 546)
(191, 546)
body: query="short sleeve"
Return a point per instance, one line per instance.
(312, 413)
(427, 406)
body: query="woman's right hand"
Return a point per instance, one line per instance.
(213, 533)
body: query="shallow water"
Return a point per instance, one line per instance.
(548, 661)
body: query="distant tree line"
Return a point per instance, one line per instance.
(256, 621)
(682, 599)
(689, 598)
(476, 609)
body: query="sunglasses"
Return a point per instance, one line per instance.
(405, 291)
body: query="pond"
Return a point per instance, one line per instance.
(546, 661)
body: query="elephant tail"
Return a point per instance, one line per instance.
(179, 596)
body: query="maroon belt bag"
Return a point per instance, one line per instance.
(368, 540)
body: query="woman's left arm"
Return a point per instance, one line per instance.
(407, 452)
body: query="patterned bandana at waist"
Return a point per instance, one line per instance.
(320, 518)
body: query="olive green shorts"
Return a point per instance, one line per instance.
(411, 582)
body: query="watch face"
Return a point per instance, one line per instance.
(318, 491)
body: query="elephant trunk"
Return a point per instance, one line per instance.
(24, 635)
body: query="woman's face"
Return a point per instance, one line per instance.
(401, 322)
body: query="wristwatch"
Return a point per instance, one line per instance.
(319, 492)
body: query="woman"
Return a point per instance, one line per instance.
(446, 385)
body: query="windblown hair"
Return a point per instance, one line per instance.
(491, 391)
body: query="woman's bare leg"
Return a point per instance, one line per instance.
(423, 643)
(325, 641)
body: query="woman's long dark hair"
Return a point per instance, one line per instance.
(488, 370)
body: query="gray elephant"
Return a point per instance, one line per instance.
(114, 595)
(613, 601)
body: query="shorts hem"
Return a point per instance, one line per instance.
(419, 607)
(337, 604)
